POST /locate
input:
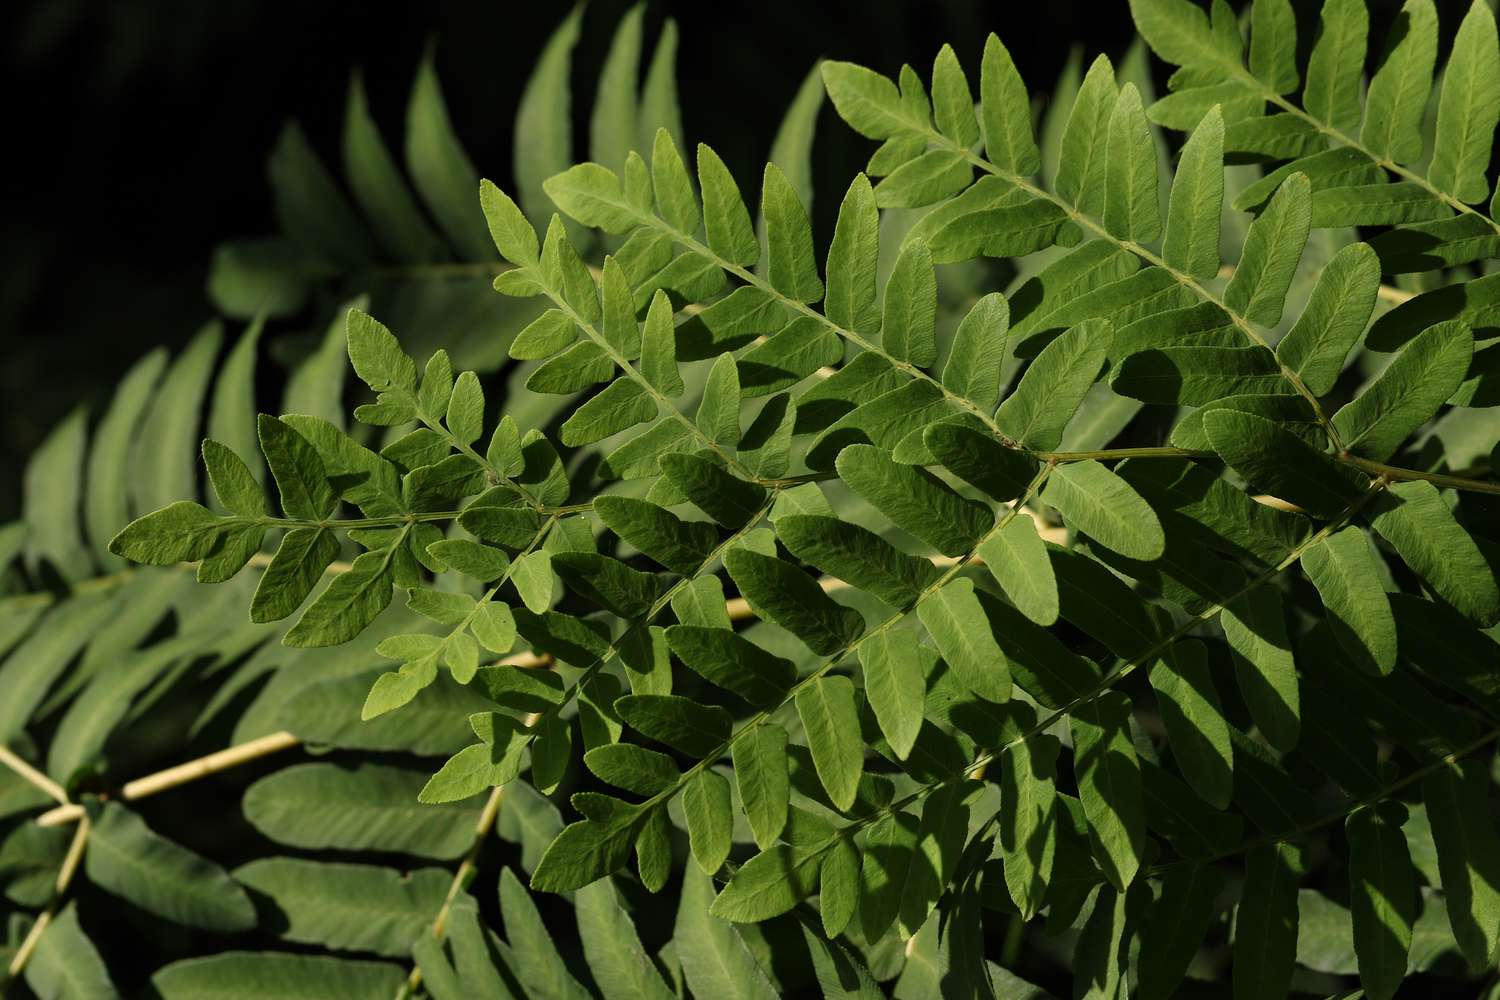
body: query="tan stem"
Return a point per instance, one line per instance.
(482, 829)
(11, 760)
(60, 889)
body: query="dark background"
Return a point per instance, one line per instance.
(139, 131)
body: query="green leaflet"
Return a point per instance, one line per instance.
(887, 421)
(1005, 111)
(1016, 557)
(1383, 896)
(1392, 126)
(733, 662)
(1335, 68)
(1468, 853)
(106, 505)
(1175, 925)
(1100, 953)
(232, 480)
(181, 531)
(1028, 820)
(729, 500)
(531, 575)
(622, 968)
(929, 178)
(1342, 567)
(480, 766)
(618, 326)
(1265, 924)
(957, 624)
(674, 190)
(793, 271)
(782, 594)
(1255, 627)
(850, 301)
(367, 807)
(791, 147)
(1179, 32)
(952, 102)
(838, 890)
(894, 686)
(861, 557)
(376, 354)
(678, 722)
(725, 217)
(680, 546)
(1375, 205)
(1091, 597)
(890, 843)
(1131, 209)
(1333, 319)
(1273, 38)
(914, 499)
(591, 194)
(1192, 239)
(831, 721)
(66, 964)
(584, 852)
(868, 101)
(980, 460)
(1468, 109)
(973, 366)
(770, 883)
(542, 971)
(160, 468)
(513, 235)
(244, 975)
(1010, 231)
(1094, 500)
(1413, 518)
(908, 325)
(622, 405)
(126, 858)
(1109, 784)
(348, 907)
(1282, 464)
(1080, 168)
(715, 960)
(659, 348)
(633, 768)
(760, 773)
(1408, 392)
(348, 604)
(719, 411)
(940, 841)
(439, 168)
(1273, 248)
(301, 478)
(1035, 414)
(1194, 720)
(710, 819)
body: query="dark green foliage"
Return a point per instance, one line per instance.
(1079, 552)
